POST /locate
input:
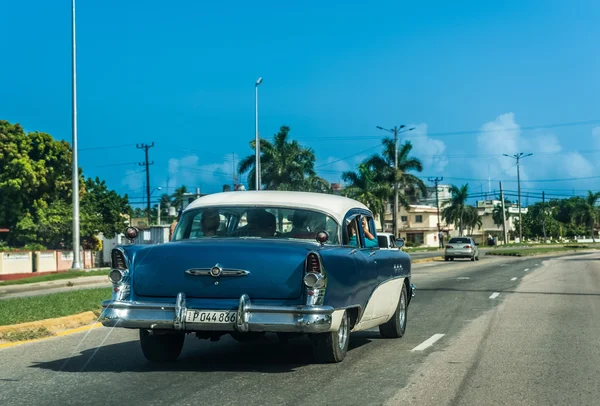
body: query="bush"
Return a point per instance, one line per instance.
(34, 247)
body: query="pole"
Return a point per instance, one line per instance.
(146, 147)
(395, 215)
(503, 215)
(519, 192)
(437, 203)
(75, 181)
(544, 214)
(158, 213)
(257, 140)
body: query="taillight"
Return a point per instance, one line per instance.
(449, 246)
(118, 259)
(467, 246)
(313, 265)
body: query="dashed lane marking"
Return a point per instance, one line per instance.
(494, 295)
(428, 343)
(513, 279)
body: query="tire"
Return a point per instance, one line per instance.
(477, 257)
(446, 259)
(473, 258)
(451, 258)
(396, 326)
(247, 337)
(332, 347)
(161, 347)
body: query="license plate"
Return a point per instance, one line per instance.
(211, 316)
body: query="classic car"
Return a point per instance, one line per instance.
(255, 262)
(388, 241)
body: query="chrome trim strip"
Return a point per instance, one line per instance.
(224, 272)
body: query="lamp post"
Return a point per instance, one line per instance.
(257, 139)
(158, 220)
(75, 180)
(518, 157)
(395, 131)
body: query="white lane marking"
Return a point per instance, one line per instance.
(536, 264)
(526, 269)
(463, 277)
(428, 343)
(513, 279)
(503, 264)
(494, 295)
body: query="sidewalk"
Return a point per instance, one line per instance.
(62, 285)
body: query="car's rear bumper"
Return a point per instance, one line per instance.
(459, 253)
(250, 317)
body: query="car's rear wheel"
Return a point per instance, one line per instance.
(473, 257)
(332, 347)
(396, 326)
(164, 347)
(447, 258)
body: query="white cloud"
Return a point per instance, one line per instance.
(187, 171)
(504, 136)
(429, 150)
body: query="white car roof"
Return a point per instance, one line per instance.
(334, 205)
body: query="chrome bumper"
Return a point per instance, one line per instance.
(250, 317)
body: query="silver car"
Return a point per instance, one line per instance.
(461, 247)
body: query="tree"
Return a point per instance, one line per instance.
(383, 165)
(362, 186)
(178, 197)
(497, 214)
(285, 164)
(586, 212)
(471, 219)
(454, 213)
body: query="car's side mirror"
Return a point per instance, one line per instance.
(400, 243)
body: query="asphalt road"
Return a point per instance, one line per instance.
(514, 331)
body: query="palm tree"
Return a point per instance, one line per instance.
(455, 211)
(383, 165)
(363, 186)
(587, 213)
(178, 196)
(497, 214)
(472, 219)
(284, 164)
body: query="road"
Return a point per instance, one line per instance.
(510, 331)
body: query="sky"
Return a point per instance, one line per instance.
(475, 79)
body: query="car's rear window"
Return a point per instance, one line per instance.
(459, 241)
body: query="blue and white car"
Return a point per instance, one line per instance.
(249, 263)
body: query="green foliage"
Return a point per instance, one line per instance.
(285, 165)
(35, 192)
(364, 187)
(457, 210)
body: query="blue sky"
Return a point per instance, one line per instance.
(182, 75)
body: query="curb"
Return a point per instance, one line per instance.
(424, 260)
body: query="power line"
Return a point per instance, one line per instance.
(106, 147)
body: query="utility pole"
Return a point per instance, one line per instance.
(544, 214)
(146, 147)
(436, 180)
(503, 215)
(395, 131)
(75, 181)
(518, 157)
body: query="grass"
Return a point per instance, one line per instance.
(538, 251)
(56, 276)
(26, 334)
(34, 308)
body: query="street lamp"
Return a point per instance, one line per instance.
(75, 180)
(395, 131)
(155, 189)
(257, 139)
(518, 157)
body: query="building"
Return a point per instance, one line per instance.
(419, 225)
(485, 209)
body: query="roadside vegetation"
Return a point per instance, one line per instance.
(25, 309)
(56, 276)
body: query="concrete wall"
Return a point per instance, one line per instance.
(15, 263)
(45, 261)
(64, 260)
